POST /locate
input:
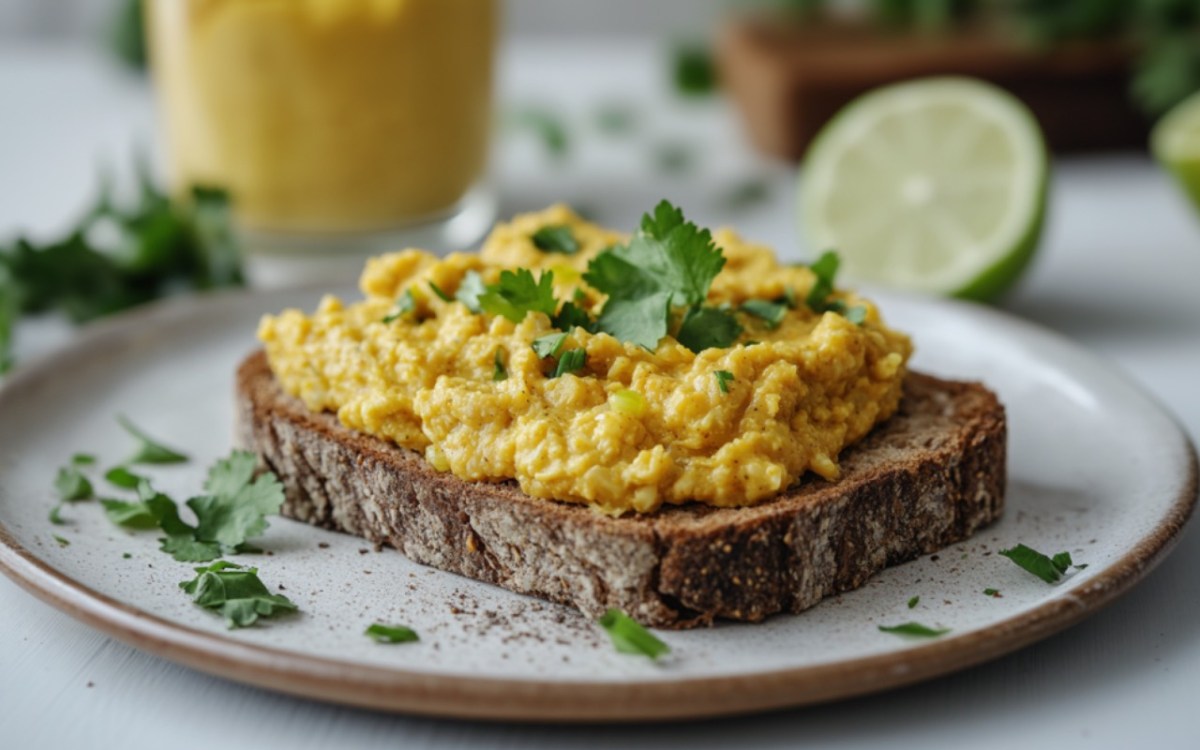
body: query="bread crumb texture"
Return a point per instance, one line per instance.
(801, 391)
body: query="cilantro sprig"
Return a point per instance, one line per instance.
(629, 637)
(555, 238)
(663, 274)
(1050, 569)
(914, 630)
(237, 592)
(382, 633)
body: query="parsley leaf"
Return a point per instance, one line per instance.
(571, 361)
(517, 294)
(708, 328)
(71, 485)
(724, 377)
(405, 304)
(669, 263)
(555, 238)
(498, 372)
(549, 345)
(83, 459)
(381, 633)
(915, 630)
(694, 71)
(1049, 569)
(151, 510)
(771, 313)
(629, 637)
(234, 508)
(56, 515)
(825, 269)
(123, 477)
(237, 592)
(149, 451)
(470, 289)
(572, 316)
(913, 602)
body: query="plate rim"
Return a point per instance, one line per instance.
(462, 696)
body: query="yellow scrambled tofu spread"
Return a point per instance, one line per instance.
(633, 428)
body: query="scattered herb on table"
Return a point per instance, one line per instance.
(1049, 569)
(122, 477)
(149, 450)
(62, 542)
(915, 630)
(994, 593)
(673, 158)
(381, 633)
(913, 602)
(547, 126)
(71, 485)
(747, 194)
(615, 118)
(629, 637)
(693, 71)
(237, 592)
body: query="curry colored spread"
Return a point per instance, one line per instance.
(336, 115)
(632, 428)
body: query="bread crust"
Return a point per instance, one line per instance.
(928, 477)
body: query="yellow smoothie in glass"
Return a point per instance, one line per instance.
(326, 115)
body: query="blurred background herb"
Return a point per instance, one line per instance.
(117, 257)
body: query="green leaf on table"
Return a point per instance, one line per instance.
(913, 602)
(71, 485)
(629, 637)
(547, 126)
(121, 476)
(237, 592)
(149, 450)
(1049, 569)
(381, 633)
(693, 70)
(914, 630)
(236, 504)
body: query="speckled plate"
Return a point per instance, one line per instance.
(1096, 468)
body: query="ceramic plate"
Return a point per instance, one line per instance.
(1096, 469)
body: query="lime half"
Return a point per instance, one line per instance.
(936, 185)
(1176, 144)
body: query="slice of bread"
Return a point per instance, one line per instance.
(928, 477)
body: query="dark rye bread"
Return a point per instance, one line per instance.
(929, 476)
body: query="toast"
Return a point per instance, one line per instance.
(929, 476)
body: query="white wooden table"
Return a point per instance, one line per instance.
(1119, 272)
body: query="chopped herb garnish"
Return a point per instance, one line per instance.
(83, 459)
(55, 515)
(405, 304)
(236, 504)
(694, 72)
(994, 593)
(825, 269)
(724, 377)
(856, 315)
(572, 316)
(381, 633)
(1049, 569)
(771, 313)
(517, 293)
(914, 629)
(149, 450)
(123, 477)
(470, 289)
(669, 263)
(441, 295)
(549, 345)
(237, 592)
(498, 370)
(571, 361)
(629, 637)
(557, 238)
(71, 485)
(62, 542)
(913, 602)
(126, 556)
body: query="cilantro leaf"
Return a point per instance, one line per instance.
(150, 451)
(56, 515)
(642, 321)
(71, 485)
(913, 602)
(1049, 569)
(825, 269)
(498, 372)
(555, 238)
(441, 294)
(381, 633)
(189, 549)
(405, 304)
(771, 313)
(122, 477)
(708, 328)
(234, 508)
(915, 630)
(571, 361)
(572, 316)
(517, 293)
(470, 289)
(856, 315)
(237, 592)
(629, 637)
(549, 345)
(994, 593)
(83, 459)
(62, 541)
(724, 377)
(151, 510)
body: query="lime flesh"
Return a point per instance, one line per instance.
(1176, 144)
(936, 185)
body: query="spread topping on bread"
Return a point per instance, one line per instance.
(592, 367)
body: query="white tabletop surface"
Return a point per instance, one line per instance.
(1119, 272)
